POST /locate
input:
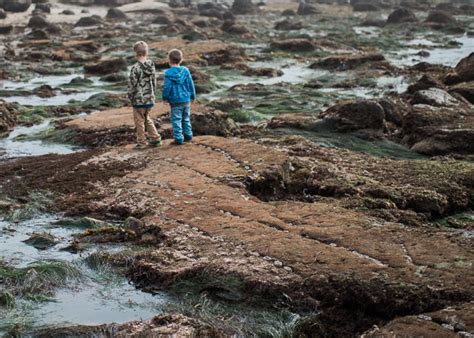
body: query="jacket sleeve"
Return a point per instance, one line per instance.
(153, 82)
(166, 88)
(190, 85)
(132, 85)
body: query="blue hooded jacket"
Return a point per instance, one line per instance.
(178, 86)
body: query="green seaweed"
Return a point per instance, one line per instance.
(37, 202)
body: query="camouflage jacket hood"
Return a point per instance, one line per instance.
(142, 83)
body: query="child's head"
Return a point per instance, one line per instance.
(175, 57)
(140, 49)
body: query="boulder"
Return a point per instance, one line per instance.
(45, 91)
(365, 7)
(435, 97)
(6, 29)
(345, 62)
(288, 25)
(87, 21)
(107, 66)
(115, 14)
(162, 20)
(41, 240)
(226, 105)
(355, 115)
(288, 12)
(42, 8)
(16, 5)
(465, 68)
(215, 10)
(193, 34)
(466, 90)
(445, 21)
(467, 9)
(441, 17)
(306, 9)
(264, 71)
(231, 27)
(401, 15)
(294, 45)
(8, 116)
(115, 77)
(394, 109)
(38, 21)
(294, 121)
(427, 81)
(240, 7)
(434, 130)
(213, 122)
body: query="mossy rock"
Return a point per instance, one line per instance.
(41, 240)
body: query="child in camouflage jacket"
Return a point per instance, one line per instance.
(141, 93)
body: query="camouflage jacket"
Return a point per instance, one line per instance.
(142, 83)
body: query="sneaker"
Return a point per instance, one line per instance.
(140, 146)
(188, 139)
(176, 143)
(156, 143)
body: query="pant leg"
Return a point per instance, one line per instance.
(150, 126)
(186, 121)
(139, 118)
(176, 122)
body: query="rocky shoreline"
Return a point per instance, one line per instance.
(327, 204)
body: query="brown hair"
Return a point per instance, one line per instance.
(175, 56)
(141, 48)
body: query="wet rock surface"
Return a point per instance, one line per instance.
(384, 265)
(450, 322)
(357, 115)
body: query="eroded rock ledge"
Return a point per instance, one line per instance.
(337, 246)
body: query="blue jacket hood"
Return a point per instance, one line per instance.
(178, 86)
(177, 74)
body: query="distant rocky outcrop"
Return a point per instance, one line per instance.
(86, 21)
(107, 66)
(445, 21)
(116, 14)
(345, 62)
(306, 9)
(294, 45)
(15, 5)
(401, 15)
(243, 7)
(288, 25)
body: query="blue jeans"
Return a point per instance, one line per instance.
(181, 122)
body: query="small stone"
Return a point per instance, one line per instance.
(424, 317)
(278, 264)
(448, 327)
(287, 268)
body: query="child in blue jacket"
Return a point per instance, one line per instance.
(179, 91)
